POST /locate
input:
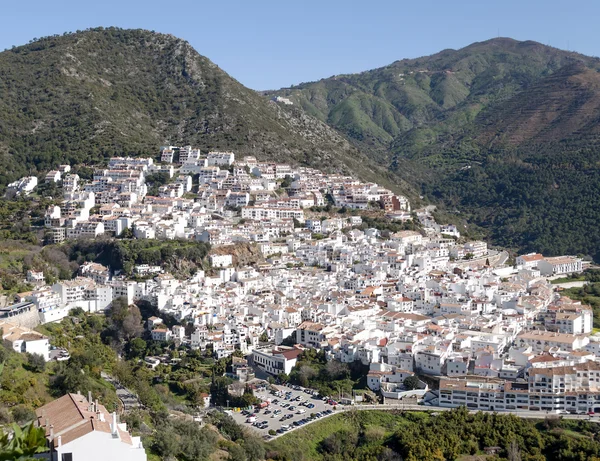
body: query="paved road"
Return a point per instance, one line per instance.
(519, 413)
(128, 398)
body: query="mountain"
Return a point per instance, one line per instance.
(502, 132)
(417, 101)
(83, 97)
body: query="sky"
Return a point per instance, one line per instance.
(269, 44)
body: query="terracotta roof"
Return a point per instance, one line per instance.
(72, 416)
(532, 257)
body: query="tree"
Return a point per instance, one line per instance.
(287, 182)
(263, 337)
(165, 443)
(255, 450)
(337, 370)
(23, 414)
(305, 374)
(236, 453)
(132, 325)
(126, 320)
(411, 382)
(218, 391)
(137, 348)
(514, 452)
(67, 379)
(23, 443)
(36, 362)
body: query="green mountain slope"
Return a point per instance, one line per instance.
(502, 131)
(83, 97)
(379, 106)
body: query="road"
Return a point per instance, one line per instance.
(128, 398)
(578, 284)
(519, 413)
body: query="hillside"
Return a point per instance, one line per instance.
(417, 100)
(86, 96)
(503, 132)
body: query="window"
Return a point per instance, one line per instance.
(67, 457)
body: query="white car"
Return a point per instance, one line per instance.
(300, 411)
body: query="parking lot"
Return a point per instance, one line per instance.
(295, 408)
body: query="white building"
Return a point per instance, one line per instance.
(221, 260)
(24, 340)
(277, 360)
(560, 265)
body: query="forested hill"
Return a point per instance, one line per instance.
(86, 96)
(419, 102)
(504, 132)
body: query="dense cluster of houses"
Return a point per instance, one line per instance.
(409, 302)
(201, 191)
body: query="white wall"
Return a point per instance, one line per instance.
(100, 446)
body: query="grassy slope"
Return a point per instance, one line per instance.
(302, 444)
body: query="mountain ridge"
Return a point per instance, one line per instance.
(90, 95)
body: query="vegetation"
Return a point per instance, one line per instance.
(130, 91)
(22, 443)
(411, 436)
(154, 181)
(387, 226)
(180, 257)
(331, 378)
(588, 294)
(466, 128)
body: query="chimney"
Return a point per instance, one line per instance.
(59, 441)
(51, 432)
(90, 397)
(113, 427)
(96, 404)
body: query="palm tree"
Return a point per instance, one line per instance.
(22, 443)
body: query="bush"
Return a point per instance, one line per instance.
(23, 414)
(36, 363)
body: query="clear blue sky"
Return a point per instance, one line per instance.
(274, 43)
